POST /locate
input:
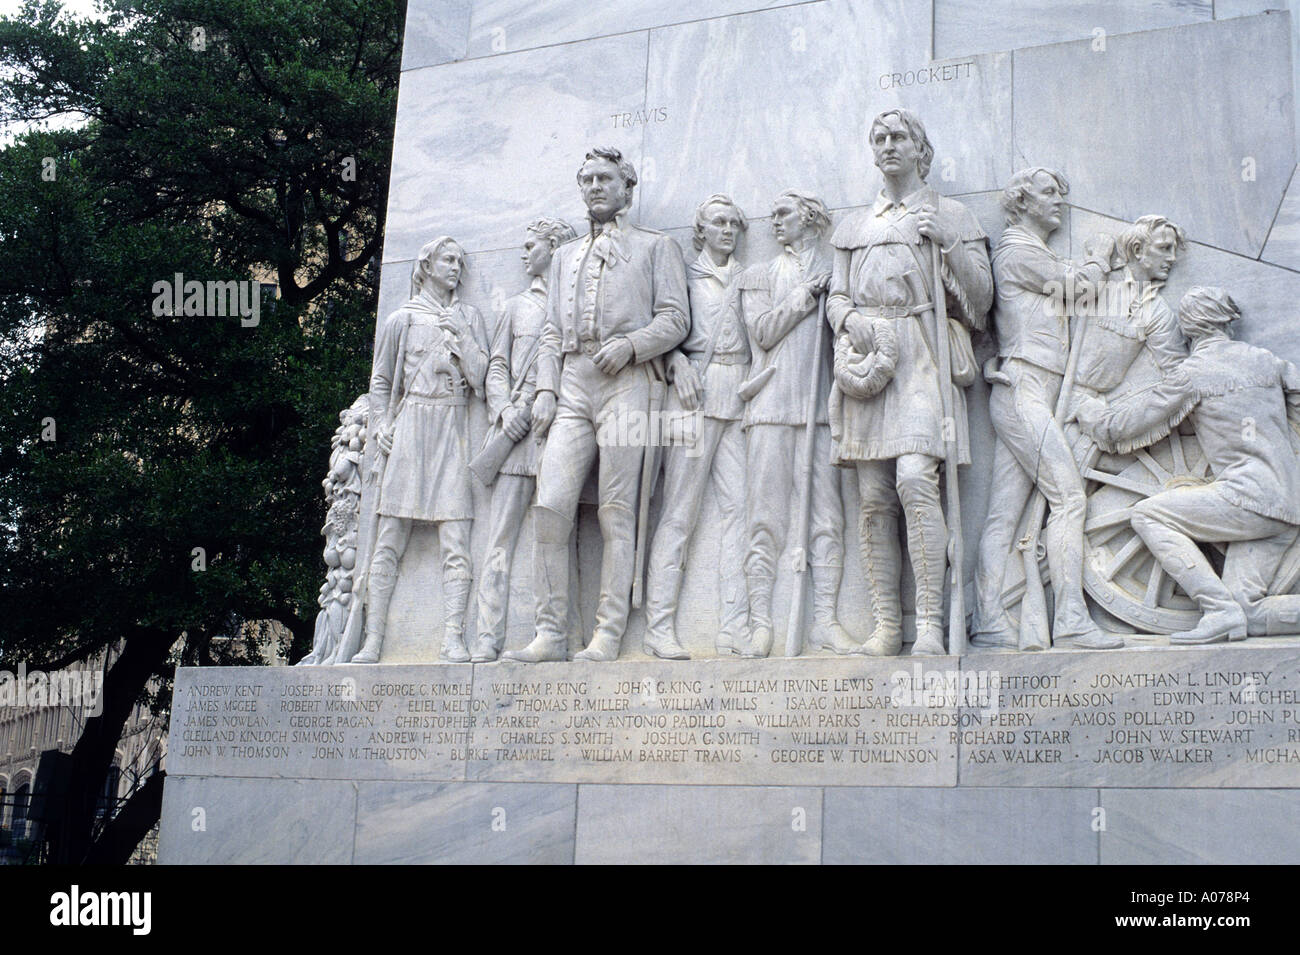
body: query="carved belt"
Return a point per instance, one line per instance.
(443, 401)
(735, 358)
(893, 311)
(588, 347)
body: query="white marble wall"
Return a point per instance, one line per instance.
(261, 821)
(500, 99)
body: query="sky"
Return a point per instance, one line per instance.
(78, 8)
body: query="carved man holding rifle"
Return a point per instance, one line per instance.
(886, 294)
(787, 451)
(1037, 291)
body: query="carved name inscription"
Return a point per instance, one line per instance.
(808, 721)
(1169, 717)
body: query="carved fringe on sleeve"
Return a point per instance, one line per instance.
(1157, 432)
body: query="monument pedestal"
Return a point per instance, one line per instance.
(1160, 754)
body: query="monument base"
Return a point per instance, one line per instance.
(1157, 754)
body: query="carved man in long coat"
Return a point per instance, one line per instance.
(896, 439)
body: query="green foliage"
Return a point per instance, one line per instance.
(171, 432)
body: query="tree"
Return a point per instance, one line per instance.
(160, 473)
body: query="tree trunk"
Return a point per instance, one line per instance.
(144, 653)
(124, 832)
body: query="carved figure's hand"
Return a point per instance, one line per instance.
(613, 356)
(928, 224)
(687, 382)
(515, 422)
(543, 413)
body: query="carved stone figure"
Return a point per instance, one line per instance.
(343, 498)
(1131, 320)
(1037, 292)
(896, 438)
(617, 303)
(511, 388)
(1245, 405)
(706, 371)
(430, 355)
(779, 302)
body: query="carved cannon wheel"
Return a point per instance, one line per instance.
(1119, 573)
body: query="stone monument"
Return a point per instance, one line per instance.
(966, 327)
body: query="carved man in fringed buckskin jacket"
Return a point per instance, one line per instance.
(779, 305)
(617, 302)
(511, 387)
(896, 439)
(431, 353)
(1036, 295)
(706, 371)
(1245, 404)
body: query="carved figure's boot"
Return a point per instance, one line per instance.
(663, 584)
(991, 627)
(926, 539)
(826, 632)
(760, 616)
(551, 532)
(617, 568)
(882, 566)
(379, 593)
(1221, 616)
(455, 600)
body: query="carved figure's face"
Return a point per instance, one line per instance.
(721, 229)
(537, 254)
(787, 224)
(1158, 257)
(1044, 202)
(603, 189)
(446, 268)
(895, 151)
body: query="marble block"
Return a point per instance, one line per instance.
(1227, 9)
(435, 32)
(464, 824)
(1200, 827)
(1202, 181)
(965, 826)
(717, 79)
(1283, 246)
(964, 27)
(484, 146)
(698, 825)
(209, 821)
(501, 26)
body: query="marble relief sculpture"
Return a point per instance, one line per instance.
(508, 460)
(1245, 405)
(1036, 295)
(430, 356)
(706, 372)
(342, 520)
(885, 287)
(617, 304)
(848, 356)
(787, 440)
